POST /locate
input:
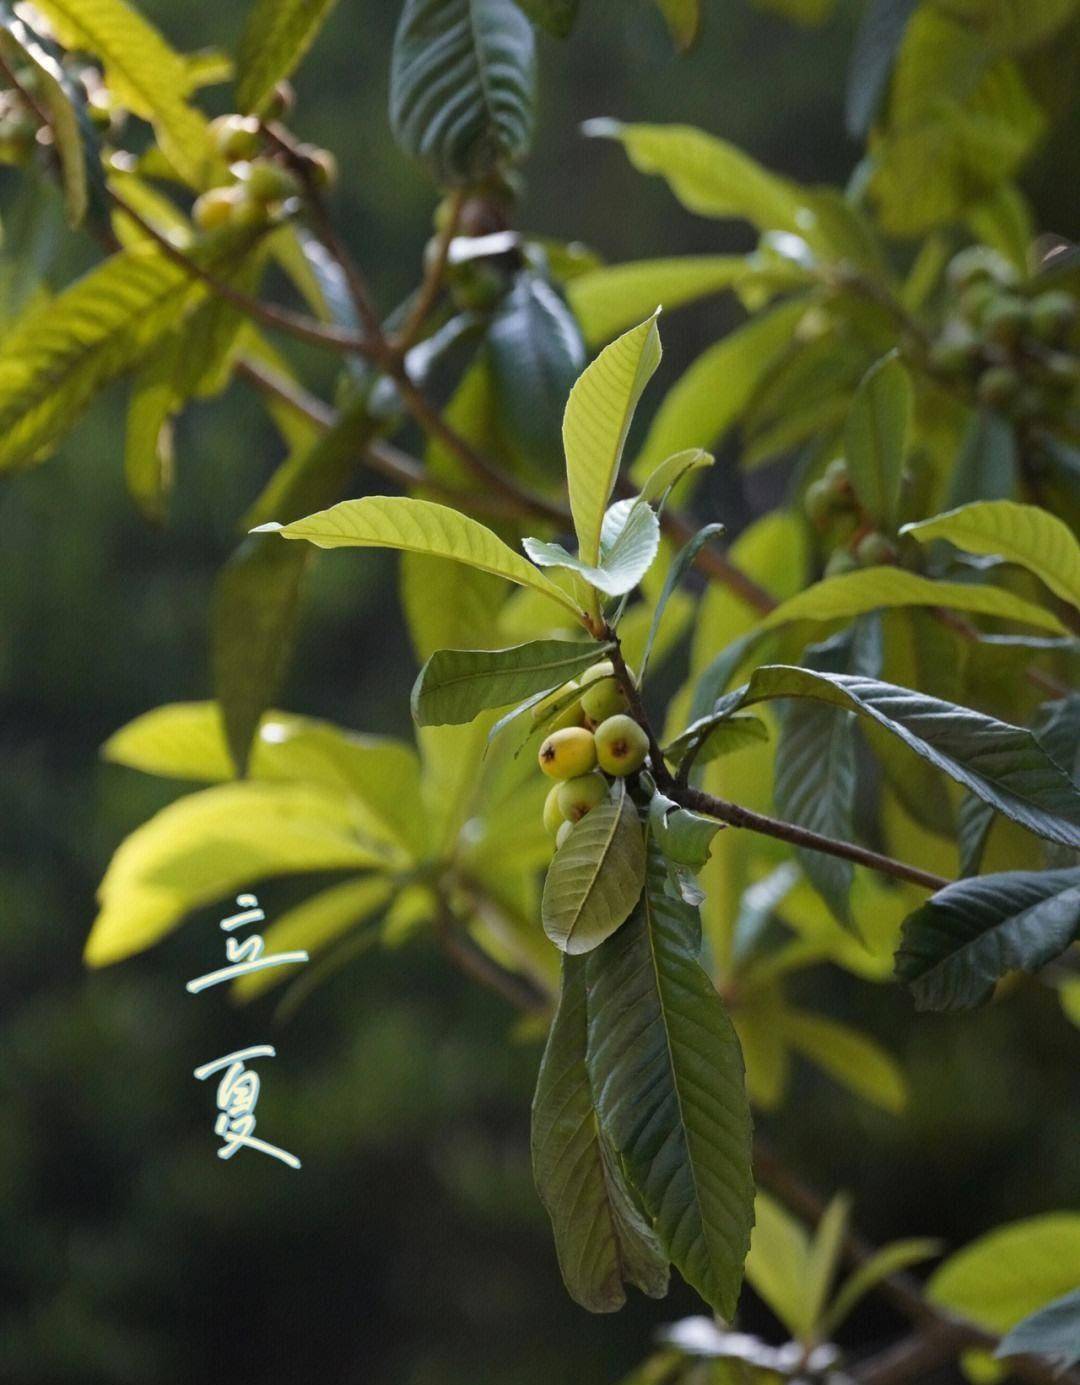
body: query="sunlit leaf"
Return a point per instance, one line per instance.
(612, 298)
(277, 34)
(889, 1260)
(853, 1059)
(623, 563)
(683, 18)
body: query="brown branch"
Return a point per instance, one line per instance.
(431, 286)
(517, 990)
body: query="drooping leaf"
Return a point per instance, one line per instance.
(148, 76)
(1052, 1331)
(611, 298)
(418, 526)
(536, 353)
(622, 564)
(210, 843)
(455, 684)
(876, 41)
(1002, 764)
(853, 1059)
(277, 34)
(596, 876)
(709, 397)
(875, 439)
(958, 945)
(1024, 534)
(601, 1238)
(598, 416)
(462, 86)
(668, 1080)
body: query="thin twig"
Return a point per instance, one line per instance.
(431, 285)
(514, 988)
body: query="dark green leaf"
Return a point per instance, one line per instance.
(875, 439)
(667, 1074)
(601, 1238)
(595, 877)
(727, 736)
(277, 34)
(684, 561)
(462, 86)
(1053, 1332)
(986, 468)
(964, 939)
(536, 353)
(684, 837)
(974, 819)
(878, 37)
(456, 684)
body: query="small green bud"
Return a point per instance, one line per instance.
(267, 182)
(236, 136)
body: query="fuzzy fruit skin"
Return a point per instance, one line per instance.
(579, 796)
(569, 716)
(568, 753)
(562, 834)
(553, 814)
(621, 745)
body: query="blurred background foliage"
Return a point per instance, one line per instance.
(411, 1248)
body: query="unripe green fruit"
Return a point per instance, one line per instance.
(818, 502)
(601, 696)
(621, 745)
(568, 753)
(554, 817)
(562, 834)
(268, 182)
(1052, 314)
(579, 796)
(998, 386)
(1005, 319)
(976, 299)
(236, 136)
(838, 480)
(840, 561)
(874, 549)
(216, 208)
(979, 263)
(569, 716)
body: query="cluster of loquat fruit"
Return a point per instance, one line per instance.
(593, 739)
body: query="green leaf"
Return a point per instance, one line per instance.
(598, 416)
(876, 437)
(851, 1058)
(671, 471)
(1003, 765)
(143, 72)
(683, 837)
(1011, 1272)
(825, 1250)
(210, 843)
(681, 565)
(419, 526)
(556, 16)
(874, 588)
(683, 18)
(710, 397)
(455, 684)
(1053, 1332)
(462, 86)
(964, 939)
(595, 877)
(611, 298)
(148, 440)
(1023, 534)
(600, 1236)
(667, 1073)
(535, 353)
(777, 1264)
(889, 1260)
(276, 35)
(876, 41)
(623, 563)
(316, 923)
(987, 466)
(727, 736)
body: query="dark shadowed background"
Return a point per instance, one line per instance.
(411, 1248)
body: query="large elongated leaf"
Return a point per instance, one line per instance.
(277, 34)
(957, 946)
(597, 420)
(601, 1238)
(667, 1075)
(536, 354)
(144, 72)
(1023, 534)
(709, 398)
(875, 439)
(1003, 765)
(1053, 1332)
(596, 876)
(462, 86)
(610, 299)
(418, 526)
(455, 684)
(221, 839)
(874, 588)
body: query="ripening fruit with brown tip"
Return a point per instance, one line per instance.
(554, 817)
(621, 745)
(579, 796)
(568, 753)
(601, 696)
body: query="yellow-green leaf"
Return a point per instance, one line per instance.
(609, 299)
(419, 526)
(597, 420)
(853, 1059)
(277, 34)
(683, 19)
(1023, 534)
